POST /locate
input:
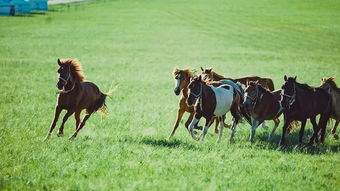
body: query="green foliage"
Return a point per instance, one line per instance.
(134, 45)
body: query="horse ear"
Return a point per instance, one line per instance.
(209, 69)
(285, 78)
(202, 68)
(295, 78)
(59, 63)
(200, 78)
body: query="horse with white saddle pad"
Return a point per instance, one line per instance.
(213, 102)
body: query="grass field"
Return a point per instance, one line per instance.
(134, 45)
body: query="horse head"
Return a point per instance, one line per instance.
(288, 92)
(195, 90)
(251, 93)
(182, 78)
(64, 73)
(207, 74)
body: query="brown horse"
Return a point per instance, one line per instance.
(75, 95)
(209, 75)
(182, 78)
(329, 84)
(262, 105)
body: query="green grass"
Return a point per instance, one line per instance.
(134, 45)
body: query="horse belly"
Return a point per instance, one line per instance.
(224, 99)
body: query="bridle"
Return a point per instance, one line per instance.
(291, 98)
(199, 95)
(66, 81)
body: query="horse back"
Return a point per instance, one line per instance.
(224, 99)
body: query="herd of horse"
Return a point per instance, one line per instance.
(253, 98)
(212, 96)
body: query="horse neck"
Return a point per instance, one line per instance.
(204, 89)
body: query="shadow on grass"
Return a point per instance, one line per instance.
(168, 143)
(292, 144)
(173, 143)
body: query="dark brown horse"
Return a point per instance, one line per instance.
(330, 85)
(301, 102)
(209, 75)
(75, 95)
(213, 102)
(262, 105)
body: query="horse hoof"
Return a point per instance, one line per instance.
(60, 134)
(46, 138)
(72, 137)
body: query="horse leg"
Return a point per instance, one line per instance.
(322, 126)
(206, 127)
(217, 123)
(335, 136)
(54, 122)
(277, 122)
(77, 118)
(284, 129)
(315, 131)
(256, 123)
(235, 113)
(302, 130)
(194, 121)
(86, 117)
(221, 128)
(189, 120)
(66, 116)
(179, 117)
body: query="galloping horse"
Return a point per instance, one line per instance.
(182, 78)
(75, 95)
(212, 102)
(301, 102)
(330, 85)
(262, 105)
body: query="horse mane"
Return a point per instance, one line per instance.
(331, 82)
(304, 86)
(185, 70)
(76, 67)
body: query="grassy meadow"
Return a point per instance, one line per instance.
(133, 46)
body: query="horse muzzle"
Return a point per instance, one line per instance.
(177, 91)
(190, 101)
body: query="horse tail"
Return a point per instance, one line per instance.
(293, 126)
(100, 104)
